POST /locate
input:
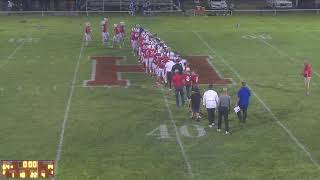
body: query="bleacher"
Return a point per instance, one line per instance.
(123, 5)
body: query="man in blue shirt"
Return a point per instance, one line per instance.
(244, 94)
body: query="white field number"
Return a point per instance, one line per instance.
(162, 132)
(27, 40)
(256, 36)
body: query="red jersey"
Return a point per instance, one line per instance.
(188, 79)
(151, 52)
(141, 41)
(117, 30)
(307, 70)
(134, 36)
(195, 79)
(105, 28)
(121, 29)
(178, 80)
(87, 29)
(144, 51)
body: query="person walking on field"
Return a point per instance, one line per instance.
(307, 77)
(224, 106)
(195, 104)
(210, 101)
(244, 94)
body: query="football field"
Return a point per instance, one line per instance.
(137, 132)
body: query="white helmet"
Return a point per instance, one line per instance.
(103, 22)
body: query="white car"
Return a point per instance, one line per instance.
(279, 3)
(217, 4)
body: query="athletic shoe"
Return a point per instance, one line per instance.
(218, 130)
(227, 132)
(210, 126)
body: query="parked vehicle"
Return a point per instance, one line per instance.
(281, 4)
(217, 4)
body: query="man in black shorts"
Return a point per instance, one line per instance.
(195, 104)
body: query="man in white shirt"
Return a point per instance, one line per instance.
(168, 68)
(210, 101)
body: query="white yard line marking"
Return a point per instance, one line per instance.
(281, 52)
(185, 156)
(7, 60)
(67, 110)
(291, 135)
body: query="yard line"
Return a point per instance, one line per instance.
(67, 110)
(292, 59)
(7, 60)
(185, 156)
(291, 135)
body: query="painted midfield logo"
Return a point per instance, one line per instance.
(106, 71)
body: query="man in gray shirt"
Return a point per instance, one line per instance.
(224, 106)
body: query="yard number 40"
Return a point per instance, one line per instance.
(162, 132)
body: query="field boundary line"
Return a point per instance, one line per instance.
(67, 109)
(291, 135)
(183, 152)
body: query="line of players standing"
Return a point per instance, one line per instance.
(168, 67)
(158, 59)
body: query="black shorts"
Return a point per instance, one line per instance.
(195, 108)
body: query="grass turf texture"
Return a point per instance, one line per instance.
(105, 135)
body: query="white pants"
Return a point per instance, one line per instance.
(87, 37)
(134, 44)
(116, 39)
(150, 62)
(105, 36)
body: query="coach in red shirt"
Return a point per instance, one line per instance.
(178, 82)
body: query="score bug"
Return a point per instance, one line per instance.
(27, 168)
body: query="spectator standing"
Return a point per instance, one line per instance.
(168, 68)
(195, 104)
(307, 77)
(9, 6)
(178, 67)
(224, 106)
(210, 101)
(132, 7)
(178, 83)
(244, 94)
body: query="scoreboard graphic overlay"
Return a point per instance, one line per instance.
(27, 169)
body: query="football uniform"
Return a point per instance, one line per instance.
(194, 81)
(188, 83)
(105, 32)
(307, 70)
(87, 33)
(116, 37)
(134, 40)
(150, 54)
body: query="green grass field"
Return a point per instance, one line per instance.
(105, 135)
